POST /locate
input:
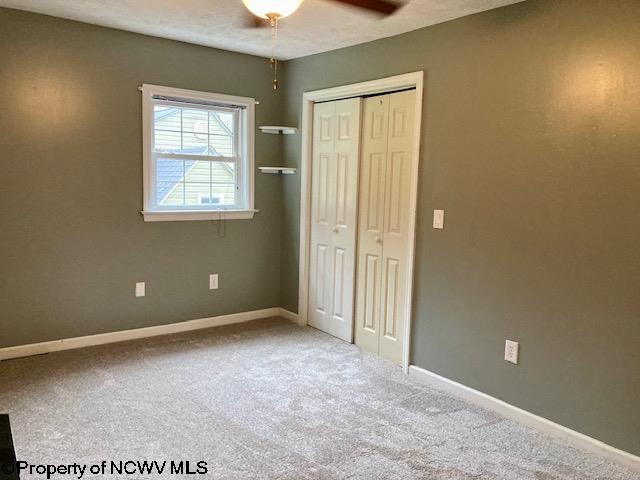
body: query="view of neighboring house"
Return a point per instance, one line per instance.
(196, 133)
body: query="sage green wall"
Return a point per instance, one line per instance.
(72, 243)
(530, 143)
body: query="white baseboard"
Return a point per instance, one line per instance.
(289, 315)
(572, 437)
(124, 335)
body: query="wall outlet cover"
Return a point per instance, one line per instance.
(511, 351)
(213, 281)
(438, 219)
(140, 289)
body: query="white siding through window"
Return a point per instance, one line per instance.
(199, 156)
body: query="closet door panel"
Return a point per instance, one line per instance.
(334, 221)
(345, 196)
(371, 295)
(371, 222)
(391, 297)
(322, 211)
(374, 181)
(396, 224)
(339, 283)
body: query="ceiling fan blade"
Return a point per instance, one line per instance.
(382, 7)
(252, 21)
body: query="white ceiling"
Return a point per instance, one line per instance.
(318, 26)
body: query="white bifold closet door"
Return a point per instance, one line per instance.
(334, 197)
(383, 231)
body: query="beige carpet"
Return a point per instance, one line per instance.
(267, 400)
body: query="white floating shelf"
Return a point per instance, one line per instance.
(278, 170)
(278, 130)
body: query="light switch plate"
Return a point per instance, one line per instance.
(511, 351)
(438, 219)
(213, 281)
(140, 289)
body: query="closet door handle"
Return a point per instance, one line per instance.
(378, 240)
(335, 229)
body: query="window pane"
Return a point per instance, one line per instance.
(167, 141)
(223, 182)
(211, 183)
(194, 144)
(195, 121)
(221, 123)
(226, 192)
(221, 130)
(170, 181)
(187, 183)
(222, 145)
(175, 197)
(194, 131)
(167, 118)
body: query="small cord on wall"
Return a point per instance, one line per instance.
(222, 225)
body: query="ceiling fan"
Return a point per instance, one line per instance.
(268, 9)
(267, 13)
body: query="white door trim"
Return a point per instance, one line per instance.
(383, 85)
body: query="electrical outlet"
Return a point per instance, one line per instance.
(438, 219)
(511, 351)
(213, 281)
(140, 289)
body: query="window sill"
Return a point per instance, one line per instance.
(187, 215)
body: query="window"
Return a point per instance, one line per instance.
(198, 155)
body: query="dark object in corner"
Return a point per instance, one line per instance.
(8, 468)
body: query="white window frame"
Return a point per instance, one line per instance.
(246, 152)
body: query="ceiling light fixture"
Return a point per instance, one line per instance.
(273, 10)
